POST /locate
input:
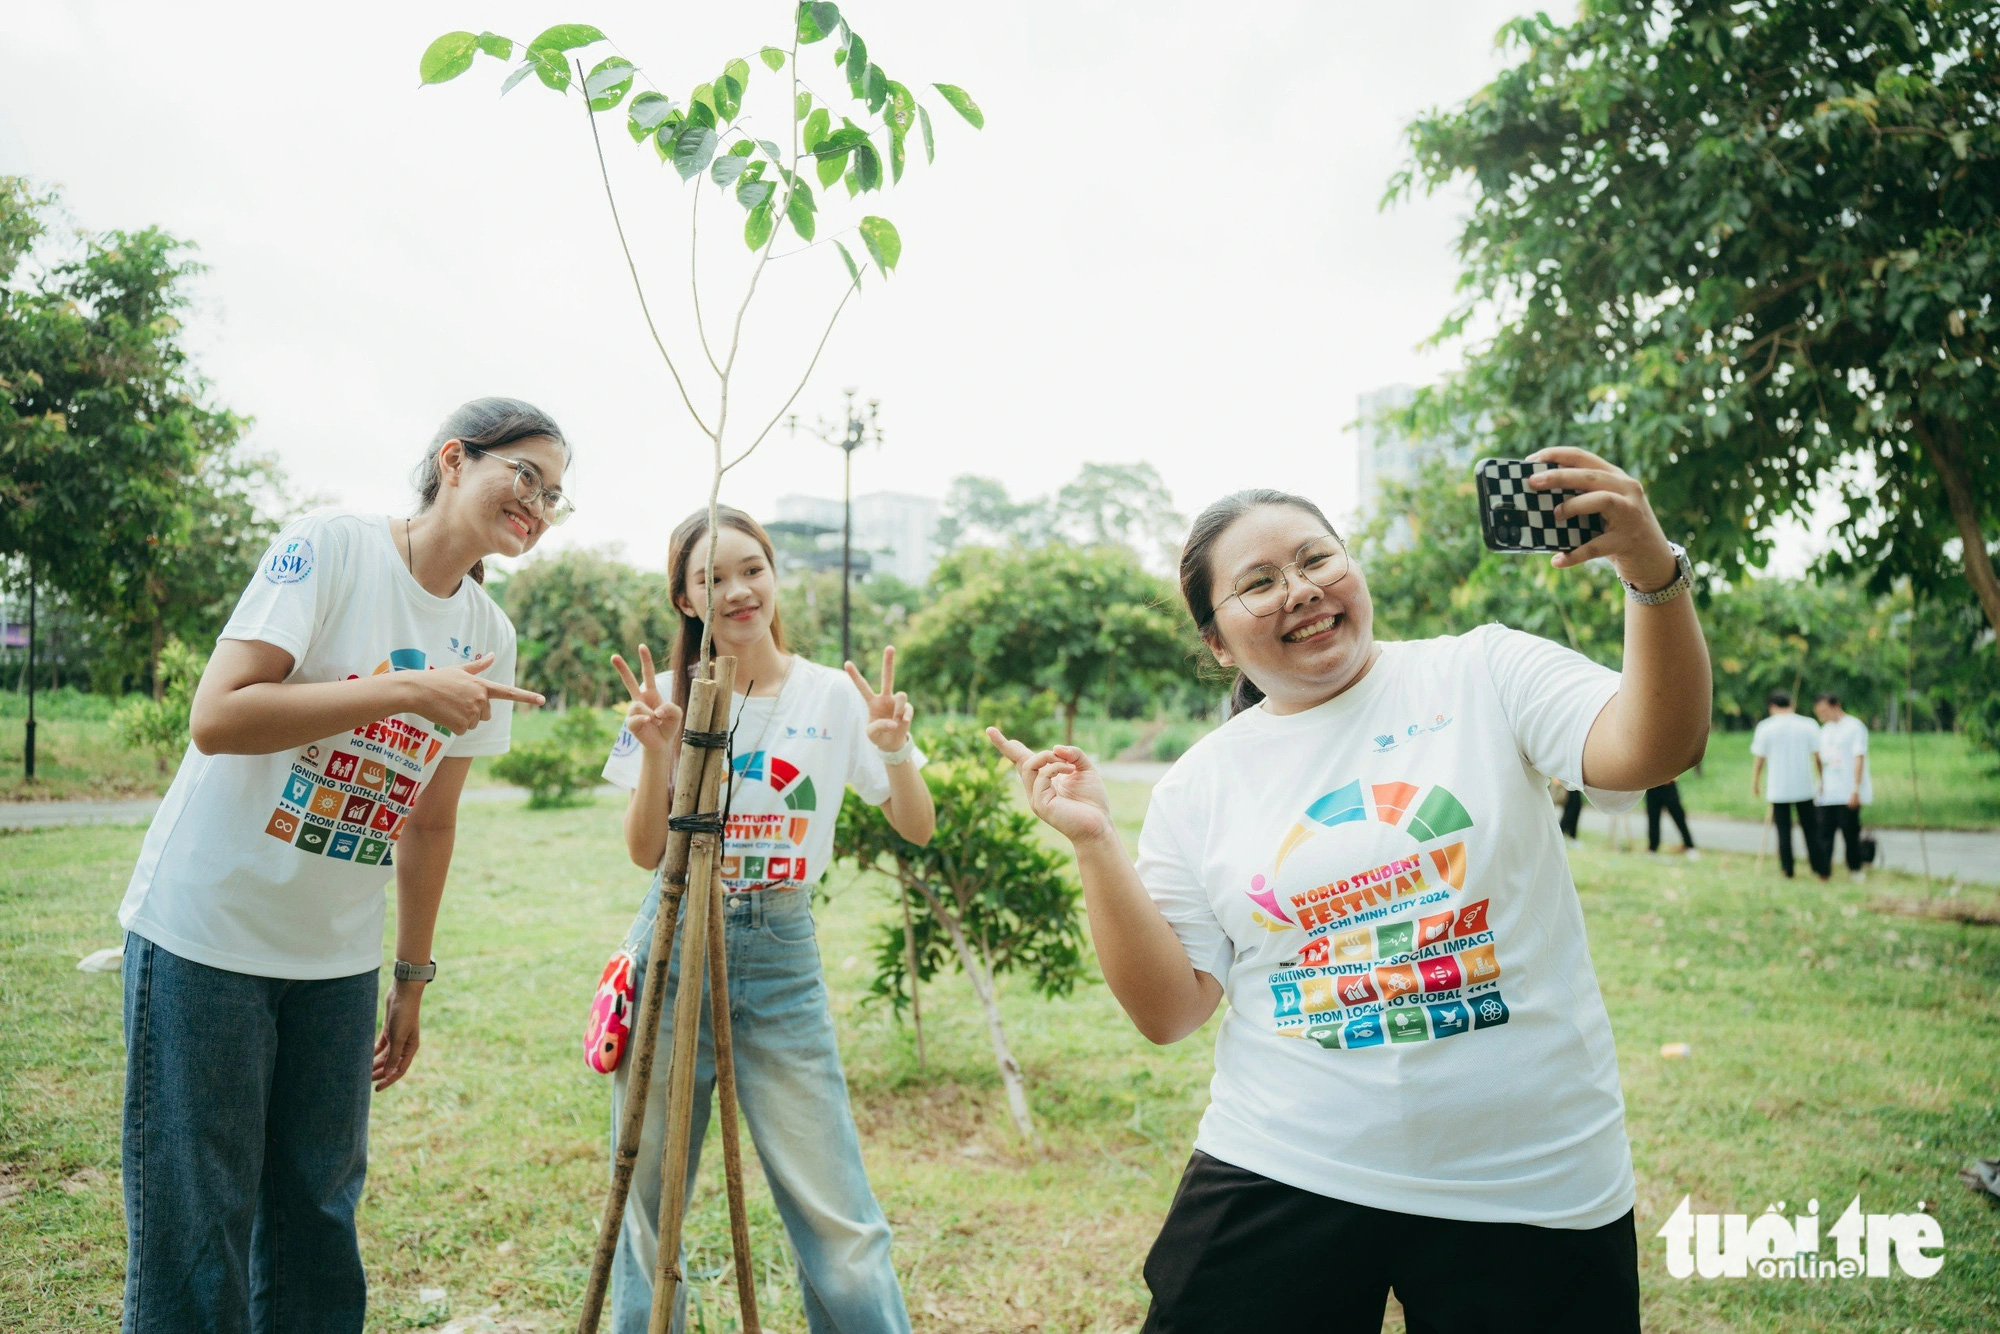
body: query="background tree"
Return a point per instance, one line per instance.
(986, 895)
(978, 511)
(881, 606)
(567, 606)
(1120, 504)
(1078, 621)
(1747, 249)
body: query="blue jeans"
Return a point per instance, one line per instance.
(245, 1142)
(794, 1099)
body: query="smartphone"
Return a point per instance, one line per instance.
(1513, 517)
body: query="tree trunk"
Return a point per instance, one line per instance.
(982, 986)
(153, 659)
(1069, 723)
(1941, 447)
(910, 962)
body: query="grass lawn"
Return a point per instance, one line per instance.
(1834, 1052)
(1956, 787)
(77, 756)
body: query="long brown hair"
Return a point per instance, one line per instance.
(687, 644)
(1198, 579)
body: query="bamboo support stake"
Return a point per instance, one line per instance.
(721, 1026)
(704, 852)
(689, 777)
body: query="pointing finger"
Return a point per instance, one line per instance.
(860, 683)
(494, 690)
(625, 675)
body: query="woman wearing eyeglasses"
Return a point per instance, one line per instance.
(1415, 1082)
(362, 670)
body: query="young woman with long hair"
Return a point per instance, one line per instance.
(804, 734)
(1415, 1085)
(362, 670)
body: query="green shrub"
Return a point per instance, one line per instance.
(1173, 741)
(563, 764)
(161, 725)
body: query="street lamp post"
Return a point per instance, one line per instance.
(847, 436)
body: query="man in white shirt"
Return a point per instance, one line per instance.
(1789, 743)
(1844, 783)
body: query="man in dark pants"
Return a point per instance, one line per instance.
(1788, 742)
(1844, 783)
(1667, 798)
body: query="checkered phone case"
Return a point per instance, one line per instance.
(1514, 518)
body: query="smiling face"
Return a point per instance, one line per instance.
(479, 494)
(1317, 643)
(746, 588)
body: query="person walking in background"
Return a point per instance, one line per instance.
(1844, 783)
(1667, 798)
(1786, 741)
(1572, 812)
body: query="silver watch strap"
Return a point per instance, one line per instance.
(1683, 580)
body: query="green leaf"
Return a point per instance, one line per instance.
(962, 103)
(868, 167)
(727, 168)
(876, 88)
(773, 58)
(930, 138)
(884, 245)
(551, 67)
(849, 135)
(801, 106)
(728, 97)
(448, 57)
(831, 165)
(694, 146)
(646, 113)
(701, 104)
(853, 269)
(739, 70)
(856, 52)
(773, 152)
(896, 153)
(521, 71)
(814, 133)
(493, 44)
(799, 207)
(817, 22)
(566, 37)
(607, 84)
(752, 189)
(758, 226)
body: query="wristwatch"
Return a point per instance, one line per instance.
(1683, 580)
(416, 972)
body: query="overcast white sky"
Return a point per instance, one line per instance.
(1165, 244)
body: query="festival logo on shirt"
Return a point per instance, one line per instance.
(350, 798)
(764, 849)
(1372, 877)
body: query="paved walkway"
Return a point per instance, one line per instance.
(1972, 857)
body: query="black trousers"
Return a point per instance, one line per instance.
(1572, 812)
(1781, 813)
(1666, 797)
(1243, 1254)
(1844, 820)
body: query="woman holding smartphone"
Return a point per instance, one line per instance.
(1416, 1086)
(362, 670)
(803, 735)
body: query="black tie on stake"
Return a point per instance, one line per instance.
(712, 822)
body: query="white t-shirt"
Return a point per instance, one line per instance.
(1380, 884)
(1839, 742)
(1786, 742)
(797, 753)
(275, 864)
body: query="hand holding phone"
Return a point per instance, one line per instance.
(1516, 517)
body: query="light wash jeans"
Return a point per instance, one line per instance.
(245, 1144)
(794, 1099)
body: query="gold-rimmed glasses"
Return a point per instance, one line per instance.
(1263, 589)
(528, 489)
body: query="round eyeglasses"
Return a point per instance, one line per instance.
(528, 489)
(1263, 590)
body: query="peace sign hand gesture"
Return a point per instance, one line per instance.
(652, 720)
(889, 711)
